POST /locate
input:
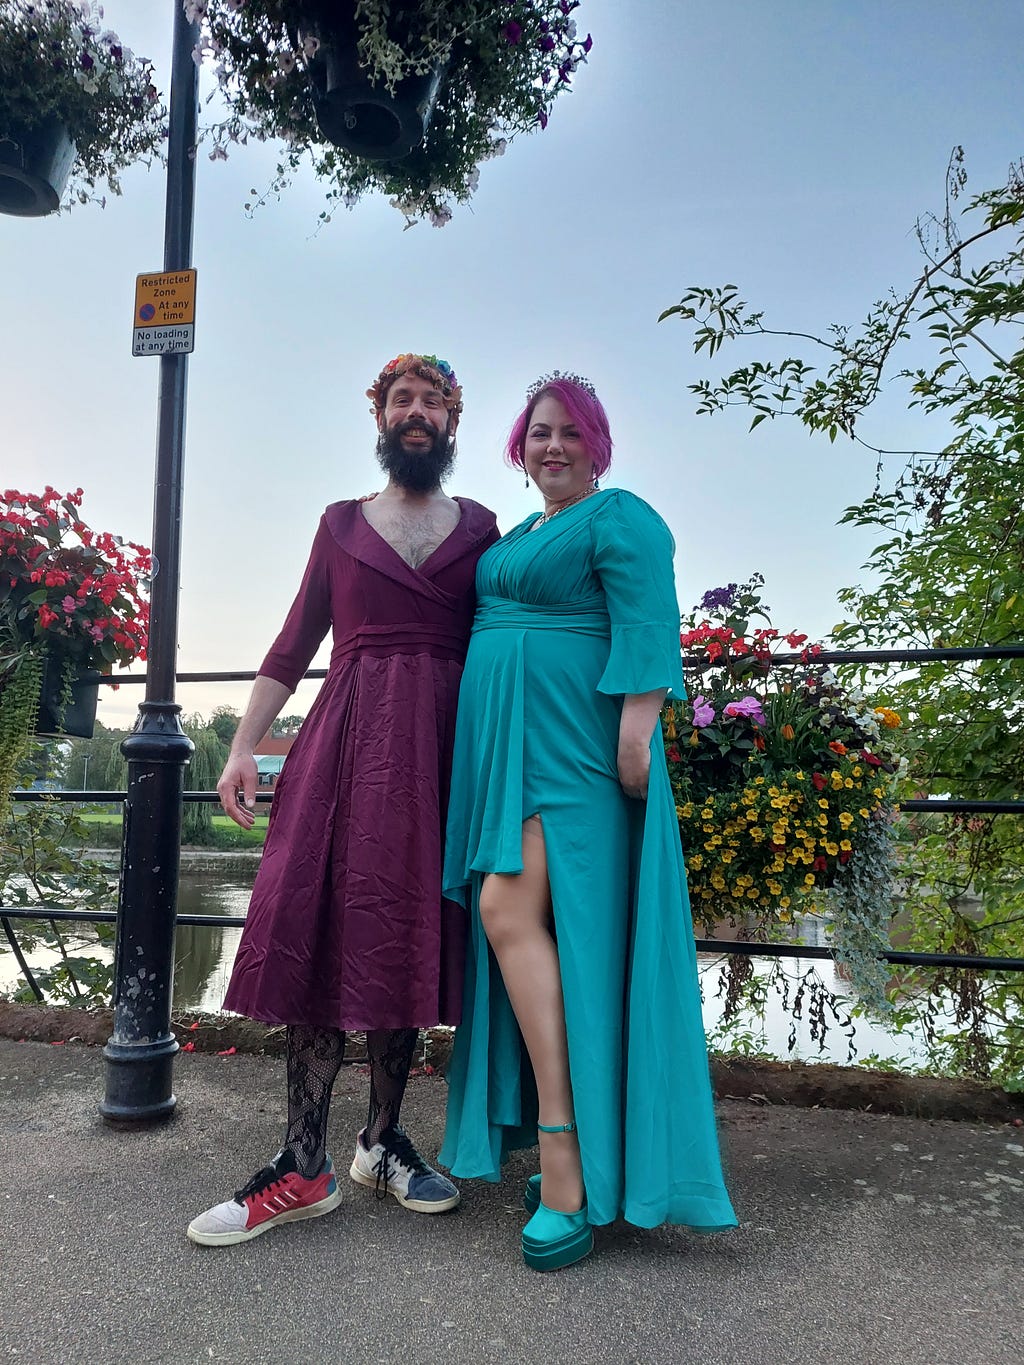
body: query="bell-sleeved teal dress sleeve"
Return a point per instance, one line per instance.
(633, 550)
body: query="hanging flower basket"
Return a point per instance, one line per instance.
(77, 107)
(365, 119)
(785, 783)
(67, 702)
(408, 99)
(34, 167)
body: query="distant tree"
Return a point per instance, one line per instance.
(285, 726)
(224, 722)
(96, 764)
(201, 775)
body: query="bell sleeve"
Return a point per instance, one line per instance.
(307, 622)
(633, 551)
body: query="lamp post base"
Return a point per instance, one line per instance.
(139, 1077)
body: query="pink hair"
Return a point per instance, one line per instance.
(585, 410)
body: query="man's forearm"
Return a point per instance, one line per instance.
(265, 702)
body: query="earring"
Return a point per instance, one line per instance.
(527, 481)
(597, 486)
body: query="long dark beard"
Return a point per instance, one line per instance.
(420, 471)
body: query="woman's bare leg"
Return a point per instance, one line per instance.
(516, 915)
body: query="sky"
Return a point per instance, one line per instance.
(785, 146)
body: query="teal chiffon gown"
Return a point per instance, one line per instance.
(570, 618)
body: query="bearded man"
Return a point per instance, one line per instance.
(347, 928)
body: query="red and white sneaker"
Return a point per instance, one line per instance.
(276, 1194)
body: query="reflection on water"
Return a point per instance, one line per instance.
(204, 956)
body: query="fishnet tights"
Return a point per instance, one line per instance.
(314, 1059)
(315, 1056)
(390, 1052)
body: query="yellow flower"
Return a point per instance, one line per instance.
(707, 814)
(718, 881)
(858, 771)
(785, 902)
(831, 849)
(845, 819)
(696, 861)
(726, 855)
(694, 739)
(670, 726)
(863, 813)
(823, 804)
(845, 845)
(752, 816)
(753, 893)
(889, 718)
(848, 782)
(785, 916)
(775, 887)
(808, 879)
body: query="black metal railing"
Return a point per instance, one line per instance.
(740, 947)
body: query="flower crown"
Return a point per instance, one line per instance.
(443, 378)
(557, 376)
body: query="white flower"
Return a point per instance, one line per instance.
(473, 179)
(286, 62)
(310, 46)
(195, 10)
(441, 215)
(218, 154)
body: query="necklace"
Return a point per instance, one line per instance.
(578, 498)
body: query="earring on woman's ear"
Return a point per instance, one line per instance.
(596, 484)
(527, 480)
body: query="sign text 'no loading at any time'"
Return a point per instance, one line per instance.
(165, 312)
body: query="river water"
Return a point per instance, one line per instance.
(220, 885)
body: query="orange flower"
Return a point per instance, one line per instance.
(837, 748)
(788, 732)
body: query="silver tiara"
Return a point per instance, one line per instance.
(547, 379)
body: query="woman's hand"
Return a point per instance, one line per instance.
(634, 762)
(639, 716)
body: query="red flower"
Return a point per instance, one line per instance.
(819, 864)
(673, 755)
(819, 781)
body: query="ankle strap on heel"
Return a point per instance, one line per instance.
(569, 1127)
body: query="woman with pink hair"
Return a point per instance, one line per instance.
(581, 1013)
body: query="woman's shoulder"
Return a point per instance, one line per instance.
(620, 507)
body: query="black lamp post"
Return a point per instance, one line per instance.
(141, 1049)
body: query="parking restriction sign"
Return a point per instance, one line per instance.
(165, 311)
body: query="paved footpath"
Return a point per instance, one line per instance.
(864, 1239)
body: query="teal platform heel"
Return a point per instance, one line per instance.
(551, 1239)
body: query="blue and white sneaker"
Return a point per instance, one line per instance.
(393, 1166)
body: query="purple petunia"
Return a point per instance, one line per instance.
(512, 32)
(703, 712)
(746, 706)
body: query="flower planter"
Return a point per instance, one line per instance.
(34, 167)
(368, 120)
(78, 718)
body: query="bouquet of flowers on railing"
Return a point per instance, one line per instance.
(784, 781)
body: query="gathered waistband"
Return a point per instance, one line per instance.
(588, 616)
(405, 639)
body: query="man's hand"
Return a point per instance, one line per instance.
(238, 780)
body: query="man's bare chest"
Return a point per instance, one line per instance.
(413, 535)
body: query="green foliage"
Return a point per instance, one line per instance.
(202, 774)
(947, 571)
(41, 867)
